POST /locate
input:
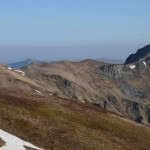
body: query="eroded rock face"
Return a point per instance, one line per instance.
(133, 111)
(148, 61)
(141, 93)
(134, 83)
(147, 111)
(115, 71)
(66, 86)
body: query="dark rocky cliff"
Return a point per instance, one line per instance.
(141, 53)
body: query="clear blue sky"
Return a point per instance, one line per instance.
(72, 29)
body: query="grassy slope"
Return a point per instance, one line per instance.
(57, 124)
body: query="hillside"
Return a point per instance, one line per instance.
(123, 89)
(118, 88)
(75, 105)
(65, 124)
(15, 79)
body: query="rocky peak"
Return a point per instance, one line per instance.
(140, 54)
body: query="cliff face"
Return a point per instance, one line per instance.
(141, 53)
(115, 71)
(133, 82)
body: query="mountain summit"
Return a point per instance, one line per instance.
(141, 53)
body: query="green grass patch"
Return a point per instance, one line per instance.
(117, 128)
(87, 121)
(52, 126)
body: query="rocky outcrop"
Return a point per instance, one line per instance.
(133, 110)
(141, 53)
(115, 71)
(64, 85)
(141, 93)
(148, 61)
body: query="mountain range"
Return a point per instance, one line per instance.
(74, 105)
(29, 61)
(111, 61)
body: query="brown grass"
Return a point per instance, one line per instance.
(56, 124)
(1, 142)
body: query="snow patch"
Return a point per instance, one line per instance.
(14, 143)
(132, 66)
(144, 63)
(23, 73)
(37, 91)
(9, 68)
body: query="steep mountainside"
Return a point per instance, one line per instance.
(141, 53)
(15, 79)
(75, 105)
(123, 89)
(53, 123)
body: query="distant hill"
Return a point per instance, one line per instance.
(111, 61)
(141, 53)
(22, 63)
(29, 61)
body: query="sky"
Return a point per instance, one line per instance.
(72, 29)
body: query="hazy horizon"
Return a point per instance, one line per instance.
(65, 53)
(56, 30)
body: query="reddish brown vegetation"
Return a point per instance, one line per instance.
(56, 123)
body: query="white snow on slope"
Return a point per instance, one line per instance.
(144, 63)
(9, 68)
(23, 73)
(132, 66)
(37, 91)
(14, 143)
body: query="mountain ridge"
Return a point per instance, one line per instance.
(140, 54)
(23, 63)
(101, 101)
(29, 61)
(109, 86)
